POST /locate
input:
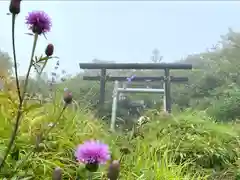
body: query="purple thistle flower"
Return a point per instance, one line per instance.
(92, 152)
(39, 22)
(129, 79)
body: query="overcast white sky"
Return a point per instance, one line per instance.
(124, 31)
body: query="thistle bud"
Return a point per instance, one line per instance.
(67, 96)
(92, 167)
(49, 50)
(113, 170)
(14, 7)
(36, 29)
(57, 174)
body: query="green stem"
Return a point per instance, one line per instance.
(14, 56)
(90, 175)
(44, 65)
(19, 111)
(30, 65)
(55, 123)
(13, 136)
(121, 157)
(45, 134)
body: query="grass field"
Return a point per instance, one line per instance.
(188, 145)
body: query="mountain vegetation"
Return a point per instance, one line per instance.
(51, 129)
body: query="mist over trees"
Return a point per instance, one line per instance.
(214, 83)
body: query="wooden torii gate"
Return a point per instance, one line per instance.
(157, 66)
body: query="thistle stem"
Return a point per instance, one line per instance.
(57, 120)
(30, 65)
(15, 57)
(19, 111)
(90, 175)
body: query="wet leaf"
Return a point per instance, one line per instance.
(45, 36)
(43, 59)
(54, 57)
(30, 34)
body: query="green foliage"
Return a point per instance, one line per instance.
(213, 74)
(186, 146)
(209, 146)
(57, 149)
(5, 64)
(226, 107)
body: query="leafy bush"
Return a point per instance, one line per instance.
(207, 144)
(227, 106)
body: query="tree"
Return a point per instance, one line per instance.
(6, 64)
(156, 57)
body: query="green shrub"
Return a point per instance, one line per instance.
(226, 107)
(207, 144)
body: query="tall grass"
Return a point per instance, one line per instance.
(187, 146)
